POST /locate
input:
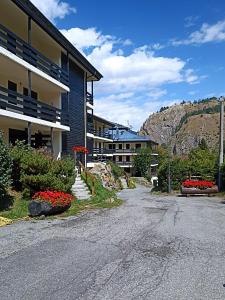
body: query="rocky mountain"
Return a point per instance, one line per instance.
(184, 125)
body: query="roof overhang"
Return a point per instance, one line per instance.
(48, 27)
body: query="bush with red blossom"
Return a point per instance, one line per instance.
(54, 198)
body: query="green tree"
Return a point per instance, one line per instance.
(142, 162)
(203, 162)
(179, 170)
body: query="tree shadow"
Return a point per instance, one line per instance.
(6, 200)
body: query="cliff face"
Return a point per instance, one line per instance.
(184, 125)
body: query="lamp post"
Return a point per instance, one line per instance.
(169, 169)
(221, 99)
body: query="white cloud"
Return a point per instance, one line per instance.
(157, 46)
(54, 9)
(140, 70)
(190, 21)
(207, 33)
(133, 78)
(86, 38)
(156, 94)
(121, 109)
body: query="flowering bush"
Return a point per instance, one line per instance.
(201, 184)
(80, 149)
(54, 198)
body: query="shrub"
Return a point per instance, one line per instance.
(5, 169)
(17, 153)
(38, 171)
(200, 162)
(116, 170)
(131, 184)
(178, 171)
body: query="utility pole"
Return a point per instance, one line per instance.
(221, 142)
(169, 170)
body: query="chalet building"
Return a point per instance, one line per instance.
(46, 92)
(44, 81)
(118, 144)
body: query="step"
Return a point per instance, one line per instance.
(80, 185)
(82, 196)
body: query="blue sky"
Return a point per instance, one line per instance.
(151, 53)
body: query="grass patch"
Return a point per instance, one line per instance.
(18, 209)
(102, 199)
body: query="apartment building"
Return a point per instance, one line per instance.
(120, 144)
(44, 81)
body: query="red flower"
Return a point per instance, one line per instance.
(80, 149)
(202, 184)
(55, 198)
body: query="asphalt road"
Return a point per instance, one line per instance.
(152, 247)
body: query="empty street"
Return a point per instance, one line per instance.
(151, 247)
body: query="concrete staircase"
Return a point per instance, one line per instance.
(124, 182)
(80, 189)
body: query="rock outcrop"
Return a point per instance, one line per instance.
(104, 172)
(183, 126)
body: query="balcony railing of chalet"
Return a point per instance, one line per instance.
(104, 134)
(89, 98)
(18, 103)
(111, 151)
(17, 46)
(124, 163)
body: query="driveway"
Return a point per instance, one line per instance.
(152, 247)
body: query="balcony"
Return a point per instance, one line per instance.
(102, 134)
(113, 151)
(23, 50)
(124, 163)
(25, 105)
(89, 98)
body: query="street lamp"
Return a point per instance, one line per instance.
(221, 99)
(169, 169)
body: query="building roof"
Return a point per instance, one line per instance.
(127, 135)
(102, 120)
(47, 26)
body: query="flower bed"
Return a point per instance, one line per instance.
(198, 187)
(49, 202)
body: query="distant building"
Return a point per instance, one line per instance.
(119, 144)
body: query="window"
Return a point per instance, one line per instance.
(34, 95)
(120, 158)
(12, 86)
(110, 146)
(15, 134)
(120, 146)
(127, 146)
(138, 146)
(127, 158)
